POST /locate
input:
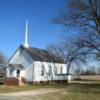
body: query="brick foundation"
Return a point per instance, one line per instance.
(14, 81)
(11, 81)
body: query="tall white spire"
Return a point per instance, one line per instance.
(26, 35)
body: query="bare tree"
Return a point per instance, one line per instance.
(3, 62)
(90, 43)
(71, 54)
(2, 58)
(98, 70)
(91, 71)
(85, 16)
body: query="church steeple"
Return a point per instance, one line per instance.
(26, 35)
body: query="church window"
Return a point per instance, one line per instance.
(55, 70)
(50, 70)
(61, 70)
(42, 70)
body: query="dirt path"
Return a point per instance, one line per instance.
(28, 95)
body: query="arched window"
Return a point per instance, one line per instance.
(61, 70)
(50, 70)
(55, 70)
(42, 70)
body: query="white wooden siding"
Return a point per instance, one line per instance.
(24, 59)
(53, 76)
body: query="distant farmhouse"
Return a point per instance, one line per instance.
(33, 65)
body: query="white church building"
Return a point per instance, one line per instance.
(35, 65)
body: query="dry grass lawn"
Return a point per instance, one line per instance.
(73, 92)
(67, 92)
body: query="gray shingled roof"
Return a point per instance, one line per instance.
(42, 55)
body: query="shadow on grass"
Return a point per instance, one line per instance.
(71, 87)
(74, 87)
(84, 88)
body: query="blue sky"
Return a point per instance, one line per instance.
(39, 13)
(13, 14)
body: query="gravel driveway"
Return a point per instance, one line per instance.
(27, 95)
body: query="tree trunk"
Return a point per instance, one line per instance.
(68, 67)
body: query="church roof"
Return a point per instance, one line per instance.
(42, 55)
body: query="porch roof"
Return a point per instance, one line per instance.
(17, 66)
